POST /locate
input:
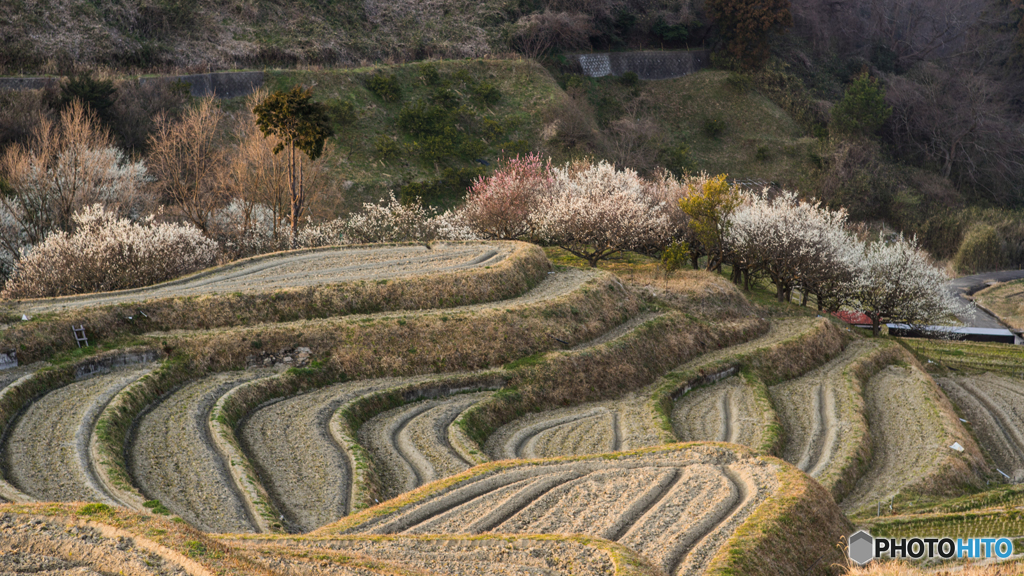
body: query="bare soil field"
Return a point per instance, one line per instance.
(910, 434)
(173, 459)
(298, 269)
(781, 329)
(410, 444)
(818, 413)
(46, 452)
(674, 507)
(725, 411)
(994, 406)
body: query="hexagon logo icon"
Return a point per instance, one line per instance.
(862, 547)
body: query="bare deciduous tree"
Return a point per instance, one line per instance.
(189, 162)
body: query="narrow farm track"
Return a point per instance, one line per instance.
(675, 511)
(173, 459)
(907, 435)
(994, 405)
(812, 412)
(299, 269)
(46, 453)
(726, 411)
(410, 444)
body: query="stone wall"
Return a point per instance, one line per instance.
(652, 65)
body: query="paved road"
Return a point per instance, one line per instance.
(968, 285)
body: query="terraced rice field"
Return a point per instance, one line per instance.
(676, 508)
(819, 413)
(298, 269)
(174, 459)
(907, 435)
(994, 406)
(411, 444)
(725, 411)
(47, 453)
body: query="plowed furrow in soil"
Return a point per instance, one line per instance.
(811, 412)
(46, 454)
(992, 408)
(675, 512)
(907, 436)
(269, 273)
(174, 460)
(724, 412)
(305, 471)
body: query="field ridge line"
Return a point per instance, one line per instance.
(831, 436)
(87, 442)
(254, 494)
(7, 490)
(415, 462)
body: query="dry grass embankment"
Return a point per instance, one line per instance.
(47, 333)
(1006, 301)
(968, 357)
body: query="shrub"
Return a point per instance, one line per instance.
(713, 126)
(487, 93)
(385, 86)
(980, 251)
(630, 79)
(109, 253)
(387, 147)
(430, 75)
(341, 112)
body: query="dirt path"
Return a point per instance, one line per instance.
(906, 432)
(675, 511)
(410, 444)
(815, 411)
(994, 405)
(726, 411)
(298, 269)
(46, 453)
(172, 457)
(54, 547)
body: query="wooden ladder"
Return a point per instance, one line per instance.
(79, 333)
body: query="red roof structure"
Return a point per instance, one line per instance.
(851, 317)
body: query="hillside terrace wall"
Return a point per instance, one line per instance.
(648, 65)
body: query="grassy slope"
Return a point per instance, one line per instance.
(681, 106)
(526, 90)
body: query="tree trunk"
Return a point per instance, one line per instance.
(803, 302)
(293, 218)
(875, 325)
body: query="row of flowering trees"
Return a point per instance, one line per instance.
(593, 211)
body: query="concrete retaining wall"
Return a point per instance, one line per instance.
(655, 65)
(220, 84)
